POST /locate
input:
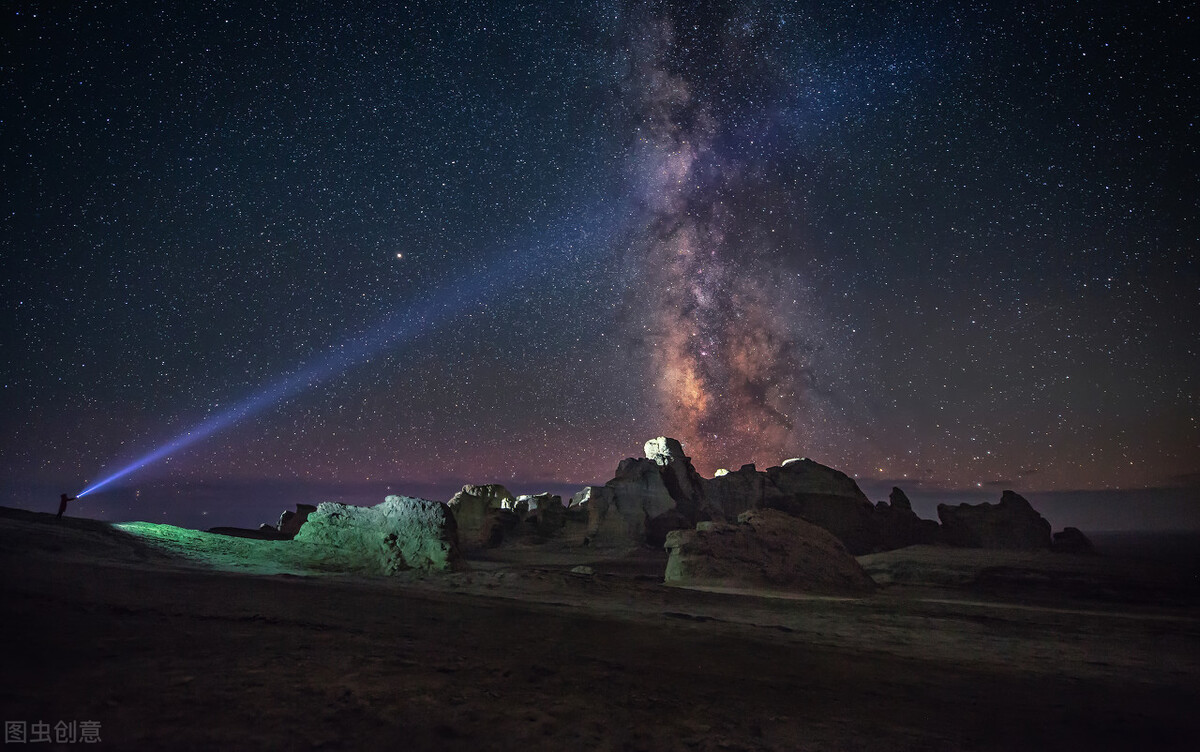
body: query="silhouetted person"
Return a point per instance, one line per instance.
(62, 504)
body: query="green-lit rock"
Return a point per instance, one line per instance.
(400, 534)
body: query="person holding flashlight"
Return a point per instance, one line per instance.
(62, 504)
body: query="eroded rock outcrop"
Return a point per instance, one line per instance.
(649, 497)
(640, 481)
(740, 491)
(684, 485)
(663, 492)
(498, 497)
(1011, 524)
(828, 498)
(766, 548)
(483, 514)
(899, 525)
(544, 514)
(613, 520)
(290, 522)
(618, 511)
(1071, 540)
(399, 534)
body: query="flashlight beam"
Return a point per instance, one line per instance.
(400, 328)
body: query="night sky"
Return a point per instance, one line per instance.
(947, 245)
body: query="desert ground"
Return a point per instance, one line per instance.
(186, 640)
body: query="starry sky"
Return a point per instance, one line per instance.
(948, 245)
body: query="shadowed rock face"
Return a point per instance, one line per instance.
(399, 534)
(899, 525)
(766, 548)
(545, 513)
(1011, 524)
(263, 532)
(641, 482)
(825, 497)
(291, 522)
(899, 500)
(804, 476)
(741, 491)
(828, 498)
(1071, 540)
(488, 515)
(651, 496)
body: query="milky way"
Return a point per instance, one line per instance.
(728, 344)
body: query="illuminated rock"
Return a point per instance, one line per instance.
(612, 521)
(619, 510)
(765, 549)
(483, 514)
(640, 482)
(400, 534)
(497, 495)
(1011, 524)
(580, 499)
(684, 484)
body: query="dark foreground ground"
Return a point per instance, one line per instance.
(100, 626)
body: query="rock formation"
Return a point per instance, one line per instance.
(401, 533)
(899, 525)
(684, 484)
(825, 497)
(1071, 540)
(1011, 524)
(828, 498)
(650, 497)
(580, 499)
(488, 515)
(290, 522)
(619, 510)
(483, 514)
(575, 517)
(647, 498)
(542, 514)
(497, 495)
(612, 521)
(766, 548)
(740, 491)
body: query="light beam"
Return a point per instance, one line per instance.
(401, 328)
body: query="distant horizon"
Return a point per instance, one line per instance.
(249, 502)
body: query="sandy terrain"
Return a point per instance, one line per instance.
(151, 635)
